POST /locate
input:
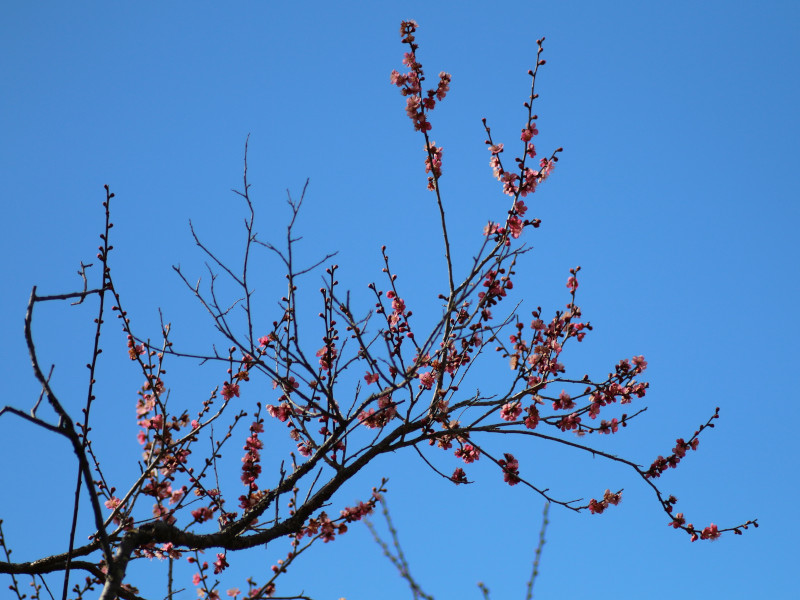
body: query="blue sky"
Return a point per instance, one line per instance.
(674, 193)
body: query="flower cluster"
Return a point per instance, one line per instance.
(609, 499)
(468, 453)
(410, 83)
(373, 419)
(510, 411)
(433, 163)
(458, 476)
(661, 464)
(327, 529)
(711, 532)
(523, 183)
(251, 463)
(510, 467)
(496, 283)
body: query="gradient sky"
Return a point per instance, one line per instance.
(674, 193)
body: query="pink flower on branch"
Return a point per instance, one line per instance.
(251, 467)
(564, 402)
(458, 476)
(358, 512)
(569, 422)
(511, 411)
(710, 533)
(532, 420)
(387, 410)
(433, 163)
(203, 514)
(220, 564)
(426, 380)
(326, 355)
(572, 283)
(468, 453)
(229, 390)
(510, 467)
(609, 499)
(515, 225)
(409, 84)
(529, 132)
(113, 502)
(282, 412)
(444, 85)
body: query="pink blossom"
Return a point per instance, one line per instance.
(113, 502)
(459, 476)
(710, 533)
(202, 514)
(515, 226)
(678, 521)
(569, 422)
(220, 564)
(435, 153)
(426, 380)
(356, 513)
(398, 305)
(532, 420)
(397, 79)
(177, 495)
(145, 404)
(444, 85)
(387, 410)
(510, 467)
(163, 513)
(468, 453)
(371, 377)
(680, 448)
(326, 355)
(492, 228)
(155, 423)
(412, 106)
(497, 169)
(168, 551)
(609, 426)
(572, 283)
(510, 411)
(609, 498)
(529, 132)
(612, 498)
(546, 167)
(564, 402)
(229, 390)
(282, 412)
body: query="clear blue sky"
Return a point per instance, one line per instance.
(674, 192)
